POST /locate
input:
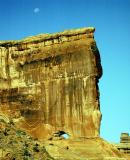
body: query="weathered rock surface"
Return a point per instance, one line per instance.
(52, 79)
(84, 149)
(49, 83)
(124, 145)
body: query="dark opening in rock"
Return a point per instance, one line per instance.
(62, 134)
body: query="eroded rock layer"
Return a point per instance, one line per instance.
(51, 80)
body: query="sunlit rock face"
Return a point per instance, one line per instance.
(51, 80)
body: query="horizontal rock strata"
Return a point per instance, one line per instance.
(51, 80)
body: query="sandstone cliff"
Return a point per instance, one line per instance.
(52, 79)
(49, 83)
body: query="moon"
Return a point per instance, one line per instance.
(36, 10)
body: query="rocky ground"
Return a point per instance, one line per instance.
(17, 145)
(84, 149)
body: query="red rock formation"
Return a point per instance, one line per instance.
(52, 79)
(48, 83)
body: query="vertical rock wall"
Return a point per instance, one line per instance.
(52, 81)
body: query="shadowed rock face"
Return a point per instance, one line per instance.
(52, 81)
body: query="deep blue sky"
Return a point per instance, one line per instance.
(111, 18)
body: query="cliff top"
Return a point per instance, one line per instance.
(47, 36)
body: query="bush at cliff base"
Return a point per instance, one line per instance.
(17, 145)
